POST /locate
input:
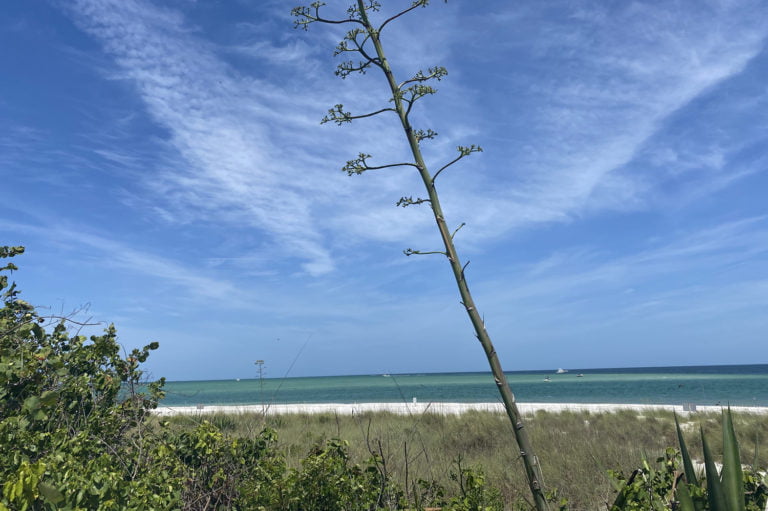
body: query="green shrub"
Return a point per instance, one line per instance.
(76, 433)
(71, 414)
(676, 485)
(475, 495)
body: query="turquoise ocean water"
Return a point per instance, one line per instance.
(738, 385)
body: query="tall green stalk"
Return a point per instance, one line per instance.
(404, 95)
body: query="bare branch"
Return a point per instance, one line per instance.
(359, 165)
(434, 73)
(410, 252)
(31, 318)
(365, 55)
(354, 12)
(453, 235)
(339, 116)
(410, 201)
(416, 3)
(346, 68)
(463, 151)
(351, 36)
(305, 17)
(424, 135)
(416, 92)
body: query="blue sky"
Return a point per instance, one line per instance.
(164, 165)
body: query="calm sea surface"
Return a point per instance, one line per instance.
(742, 385)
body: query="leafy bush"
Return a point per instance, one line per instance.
(475, 495)
(676, 484)
(71, 416)
(76, 432)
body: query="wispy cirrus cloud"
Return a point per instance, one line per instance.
(605, 84)
(250, 150)
(673, 275)
(113, 254)
(234, 163)
(600, 87)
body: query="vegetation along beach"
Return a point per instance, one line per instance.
(384, 255)
(81, 429)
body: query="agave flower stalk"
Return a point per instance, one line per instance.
(365, 40)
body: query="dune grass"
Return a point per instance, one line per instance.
(575, 448)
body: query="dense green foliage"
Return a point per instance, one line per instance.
(675, 484)
(76, 432)
(71, 416)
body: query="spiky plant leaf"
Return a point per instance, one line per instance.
(690, 473)
(732, 477)
(715, 494)
(685, 502)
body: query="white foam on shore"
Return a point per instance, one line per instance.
(437, 408)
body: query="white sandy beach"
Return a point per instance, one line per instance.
(439, 408)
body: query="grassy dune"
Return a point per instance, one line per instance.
(575, 448)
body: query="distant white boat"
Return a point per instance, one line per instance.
(561, 371)
(386, 375)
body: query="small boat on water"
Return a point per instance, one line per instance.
(561, 371)
(579, 375)
(547, 378)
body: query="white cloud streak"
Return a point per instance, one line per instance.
(112, 254)
(607, 80)
(604, 81)
(218, 121)
(717, 266)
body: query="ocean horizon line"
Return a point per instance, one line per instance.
(704, 368)
(736, 384)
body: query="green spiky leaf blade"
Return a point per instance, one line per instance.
(715, 494)
(732, 477)
(685, 502)
(690, 473)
